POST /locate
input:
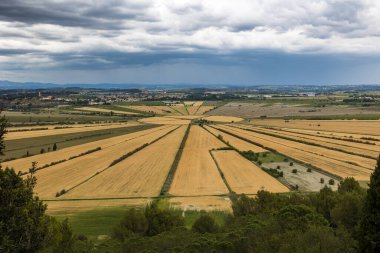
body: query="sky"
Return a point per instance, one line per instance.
(242, 42)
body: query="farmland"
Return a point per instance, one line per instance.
(197, 173)
(243, 176)
(339, 165)
(185, 154)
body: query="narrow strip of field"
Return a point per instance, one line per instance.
(223, 119)
(165, 121)
(144, 108)
(38, 133)
(208, 203)
(243, 176)
(358, 138)
(180, 109)
(197, 173)
(301, 154)
(141, 175)
(96, 109)
(203, 109)
(70, 207)
(24, 164)
(193, 107)
(350, 147)
(71, 173)
(371, 127)
(337, 155)
(237, 143)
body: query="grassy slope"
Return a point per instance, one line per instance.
(100, 221)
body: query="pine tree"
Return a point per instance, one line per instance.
(370, 224)
(55, 147)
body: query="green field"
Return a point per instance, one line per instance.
(99, 222)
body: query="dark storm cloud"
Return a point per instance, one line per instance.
(72, 13)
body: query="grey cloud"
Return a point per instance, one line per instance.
(72, 13)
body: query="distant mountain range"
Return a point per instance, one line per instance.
(9, 85)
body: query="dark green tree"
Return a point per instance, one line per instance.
(55, 147)
(349, 184)
(205, 224)
(370, 224)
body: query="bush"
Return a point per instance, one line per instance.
(278, 167)
(331, 182)
(294, 171)
(308, 169)
(205, 224)
(291, 164)
(322, 180)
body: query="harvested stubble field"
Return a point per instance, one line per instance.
(208, 203)
(243, 176)
(350, 147)
(180, 108)
(144, 108)
(256, 110)
(38, 133)
(370, 127)
(330, 165)
(70, 207)
(237, 143)
(18, 148)
(73, 172)
(359, 138)
(165, 121)
(223, 119)
(24, 164)
(193, 107)
(203, 109)
(95, 109)
(338, 155)
(141, 175)
(197, 173)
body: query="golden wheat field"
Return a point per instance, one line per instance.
(23, 164)
(193, 164)
(331, 165)
(141, 175)
(39, 133)
(350, 147)
(223, 119)
(236, 142)
(371, 127)
(203, 109)
(197, 173)
(95, 109)
(243, 176)
(166, 121)
(73, 172)
(322, 151)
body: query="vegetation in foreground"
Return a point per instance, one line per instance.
(347, 220)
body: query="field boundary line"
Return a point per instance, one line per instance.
(291, 158)
(220, 172)
(173, 168)
(128, 155)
